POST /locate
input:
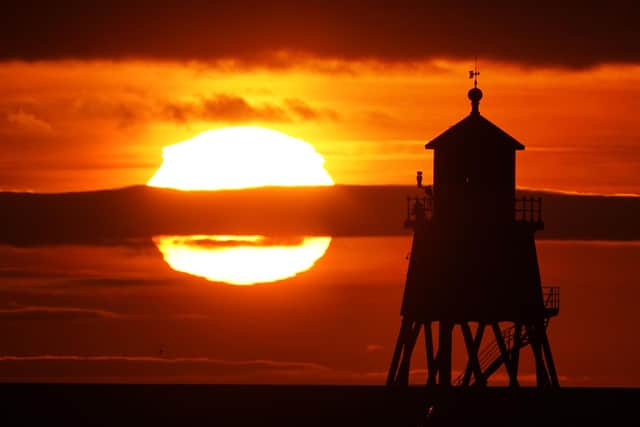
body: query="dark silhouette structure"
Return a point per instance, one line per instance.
(473, 263)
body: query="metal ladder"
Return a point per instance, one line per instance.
(490, 357)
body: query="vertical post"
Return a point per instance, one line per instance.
(444, 353)
(531, 209)
(539, 209)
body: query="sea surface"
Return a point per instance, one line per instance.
(277, 310)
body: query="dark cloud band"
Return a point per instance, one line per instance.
(554, 34)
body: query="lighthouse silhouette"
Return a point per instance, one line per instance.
(473, 264)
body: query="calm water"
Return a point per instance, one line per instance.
(121, 313)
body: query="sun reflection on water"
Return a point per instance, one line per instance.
(241, 260)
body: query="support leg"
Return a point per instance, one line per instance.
(444, 353)
(551, 366)
(542, 376)
(473, 346)
(432, 362)
(405, 363)
(515, 351)
(506, 359)
(405, 328)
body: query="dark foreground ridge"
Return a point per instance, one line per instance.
(247, 405)
(141, 212)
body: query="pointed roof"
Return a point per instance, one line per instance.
(474, 129)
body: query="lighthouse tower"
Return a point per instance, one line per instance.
(473, 265)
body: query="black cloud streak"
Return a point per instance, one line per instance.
(565, 34)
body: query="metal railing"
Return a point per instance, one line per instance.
(419, 208)
(551, 298)
(528, 209)
(525, 210)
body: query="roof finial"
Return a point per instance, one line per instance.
(475, 94)
(473, 74)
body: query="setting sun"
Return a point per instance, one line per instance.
(240, 157)
(241, 260)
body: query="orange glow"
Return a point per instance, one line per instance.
(104, 124)
(240, 157)
(240, 260)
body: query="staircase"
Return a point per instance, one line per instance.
(490, 356)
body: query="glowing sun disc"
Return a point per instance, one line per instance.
(240, 260)
(240, 157)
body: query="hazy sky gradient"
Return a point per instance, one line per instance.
(119, 313)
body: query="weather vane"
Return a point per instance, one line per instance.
(473, 74)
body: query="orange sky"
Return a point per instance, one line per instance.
(88, 124)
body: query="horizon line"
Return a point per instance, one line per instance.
(272, 187)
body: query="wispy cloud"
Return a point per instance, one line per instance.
(130, 368)
(29, 123)
(20, 312)
(235, 109)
